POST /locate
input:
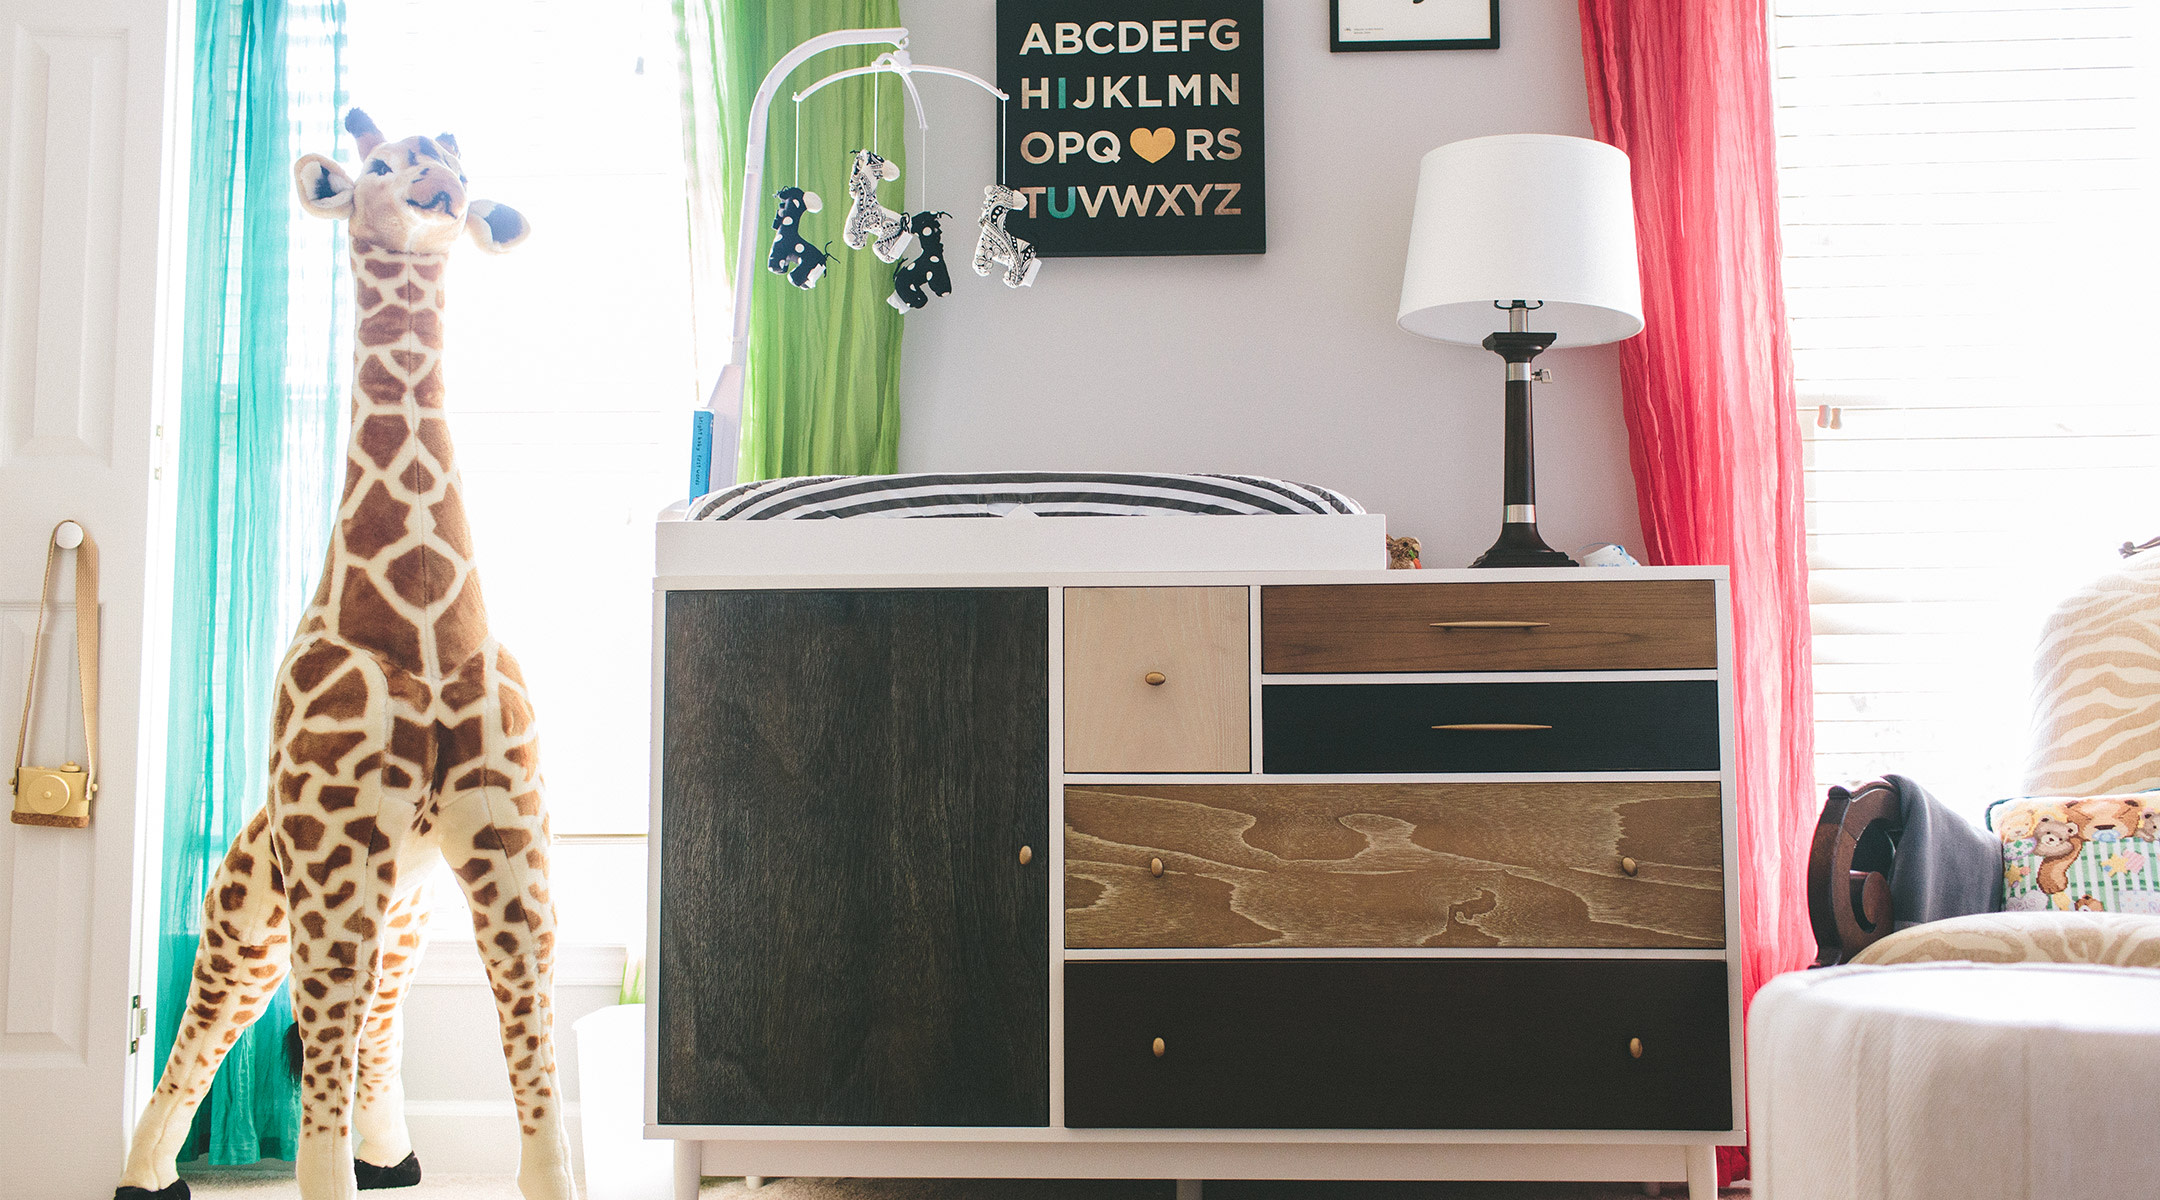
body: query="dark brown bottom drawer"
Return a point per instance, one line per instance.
(1397, 1044)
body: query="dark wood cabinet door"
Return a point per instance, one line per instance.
(848, 935)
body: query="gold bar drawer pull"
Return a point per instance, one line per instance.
(1451, 626)
(1491, 727)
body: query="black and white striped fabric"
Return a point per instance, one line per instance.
(1025, 493)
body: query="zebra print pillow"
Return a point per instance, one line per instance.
(1026, 493)
(2096, 689)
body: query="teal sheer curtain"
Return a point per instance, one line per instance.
(821, 390)
(263, 367)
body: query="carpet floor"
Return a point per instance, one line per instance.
(257, 1185)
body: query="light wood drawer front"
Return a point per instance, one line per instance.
(1637, 625)
(1158, 679)
(1453, 1043)
(1394, 865)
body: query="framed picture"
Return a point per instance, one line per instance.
(1414, 25)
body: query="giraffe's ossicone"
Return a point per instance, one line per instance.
(401, 738)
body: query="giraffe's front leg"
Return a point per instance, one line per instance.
(239, 962)
(384, 1157)
(495, 837)
(340, 865)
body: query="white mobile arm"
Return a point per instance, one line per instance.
(727, 394)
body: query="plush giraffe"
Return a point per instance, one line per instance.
(402, 735)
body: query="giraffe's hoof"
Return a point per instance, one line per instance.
(371, 1177)
(176, 1190)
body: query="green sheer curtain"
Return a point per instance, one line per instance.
(821, 391)
(262, 381)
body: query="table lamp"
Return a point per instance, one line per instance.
(1507, 227)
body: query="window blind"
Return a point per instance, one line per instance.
(1966, 204)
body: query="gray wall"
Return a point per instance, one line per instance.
(1287, 363)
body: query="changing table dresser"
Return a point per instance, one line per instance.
(1278, 875)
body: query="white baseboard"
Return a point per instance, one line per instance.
(477, 1137)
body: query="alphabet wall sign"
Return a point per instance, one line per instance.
(1134, 126)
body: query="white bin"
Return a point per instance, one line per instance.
(619, 1163)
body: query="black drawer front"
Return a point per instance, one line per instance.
(1397, 1044)
(1356, 728)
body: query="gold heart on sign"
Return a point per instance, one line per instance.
(1152, 144)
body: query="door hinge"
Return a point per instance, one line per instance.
(139, 1023)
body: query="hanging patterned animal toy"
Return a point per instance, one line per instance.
(869, 223)
(916, 278)
(792, 254)
(997, 245)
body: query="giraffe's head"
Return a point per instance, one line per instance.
(410, 196)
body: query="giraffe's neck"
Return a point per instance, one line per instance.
(398, 578)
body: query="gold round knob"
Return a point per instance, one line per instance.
(1155, 678)
(1628, 866)
(1154, 867)
(1634, 1047)
(1027, 855)
(1160, 1049)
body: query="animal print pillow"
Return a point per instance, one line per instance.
(2092, 853)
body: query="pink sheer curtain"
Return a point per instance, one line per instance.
(1708, 392)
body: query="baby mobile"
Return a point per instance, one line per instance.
(887, 233)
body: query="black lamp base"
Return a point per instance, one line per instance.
(1520, 546)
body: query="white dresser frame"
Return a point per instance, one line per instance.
(1053, 1151)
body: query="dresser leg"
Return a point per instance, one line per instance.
(753, 1181)
(689, 1165)
(1188, 1189)
(1702, 1173)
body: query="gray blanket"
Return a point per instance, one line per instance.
(1945, 866)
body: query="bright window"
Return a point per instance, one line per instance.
(1967, 195)
(569, 369)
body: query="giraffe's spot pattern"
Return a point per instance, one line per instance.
(324, 750)
(367, 619)
(428, 391)
(469, 686)
(421, 576)
(377, 523)
(333, 797)
(463, 624)
(341, 701)
(283, 719)
(434, 436)
(315, 664)
(378, 384)
(303, 832)
(450, 527)
(482, 777)
(456, 745)
(417, 479)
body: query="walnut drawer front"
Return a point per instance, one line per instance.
(1450, 1043)
(1649, 624)
(1158, 679)
(1394, 865)
(1361, 728)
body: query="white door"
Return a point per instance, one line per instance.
(92, 105)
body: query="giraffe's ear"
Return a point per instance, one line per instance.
(325, 189)
(495, 227)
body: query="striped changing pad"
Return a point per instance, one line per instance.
(1021, 493)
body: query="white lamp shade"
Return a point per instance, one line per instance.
(1523, 216)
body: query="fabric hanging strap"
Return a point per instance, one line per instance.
(86, 653)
